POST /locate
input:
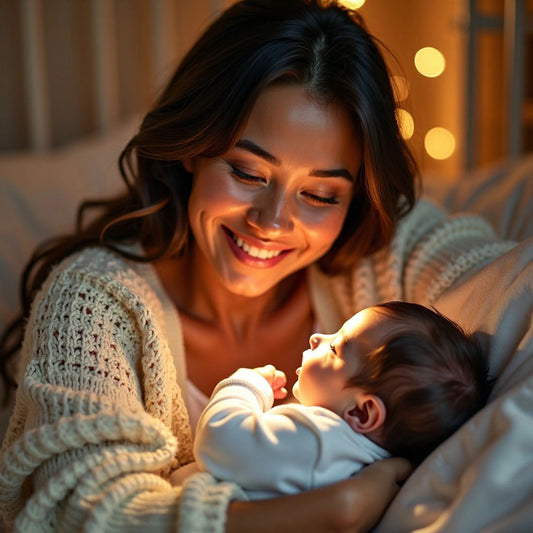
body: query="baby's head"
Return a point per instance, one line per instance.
(400, 373)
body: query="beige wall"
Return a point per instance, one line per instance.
(405, 27)
(68, 55)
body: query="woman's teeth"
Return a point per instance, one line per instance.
(253, 251)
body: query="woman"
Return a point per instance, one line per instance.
(269, 189)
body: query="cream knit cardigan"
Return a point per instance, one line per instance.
(100, 421)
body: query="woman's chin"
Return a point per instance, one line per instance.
(248, 286)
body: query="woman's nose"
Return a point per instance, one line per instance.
(271, 213)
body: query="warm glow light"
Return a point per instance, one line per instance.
(430, 62)
(401, 87)
(352, 4)
(405, 122)
(439, 143)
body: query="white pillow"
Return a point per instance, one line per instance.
(501, 193)
(481, 478)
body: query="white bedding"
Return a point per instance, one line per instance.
(481, 479)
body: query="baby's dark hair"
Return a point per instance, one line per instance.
(432, 377)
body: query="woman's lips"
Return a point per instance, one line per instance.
(252, 254)
(254, 251)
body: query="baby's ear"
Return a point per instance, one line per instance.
(188, 164)
(366, 414)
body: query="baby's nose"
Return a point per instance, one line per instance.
(314, 340)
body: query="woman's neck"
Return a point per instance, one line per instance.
(223, 331)
(193, 285)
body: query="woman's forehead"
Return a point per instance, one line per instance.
(289, 123)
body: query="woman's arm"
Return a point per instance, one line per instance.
(97, 420)
(354, 505)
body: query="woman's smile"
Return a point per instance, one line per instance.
(254, 253)
(276, 201)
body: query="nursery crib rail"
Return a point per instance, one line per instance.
(516, 24)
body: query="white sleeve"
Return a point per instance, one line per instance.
(266, 451)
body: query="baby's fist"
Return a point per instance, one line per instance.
(276, 379)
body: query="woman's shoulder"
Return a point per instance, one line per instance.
(102, 274)
(427, 218)
(100, 264)
(430, 250)
(96, 261)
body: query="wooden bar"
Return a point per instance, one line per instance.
(471, 86)
(105, 57)
(514, 56)
(163, 24)
(35, 75)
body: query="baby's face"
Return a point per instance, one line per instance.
(332, 360)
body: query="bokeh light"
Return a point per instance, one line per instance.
(405, 122)
(352, 4)
(430, 62)
(401, 87)
(439, 143)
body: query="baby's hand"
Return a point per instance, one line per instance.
(276, 378)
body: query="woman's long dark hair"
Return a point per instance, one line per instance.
(317, 44)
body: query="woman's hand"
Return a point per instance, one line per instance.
(354, 505)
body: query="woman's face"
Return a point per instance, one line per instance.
(276, 201)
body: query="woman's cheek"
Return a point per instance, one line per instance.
(325, 228)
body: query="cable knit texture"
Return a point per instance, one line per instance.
(204, 503)
(100, 422)
(429, 252)
(99, 418)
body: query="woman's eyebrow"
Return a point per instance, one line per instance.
(334, 173)
(250, 146)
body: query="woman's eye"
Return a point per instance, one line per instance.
(321, 200)
(244, 176)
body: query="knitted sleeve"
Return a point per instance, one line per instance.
(98, 421)
(450, 247)
(430, 252)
